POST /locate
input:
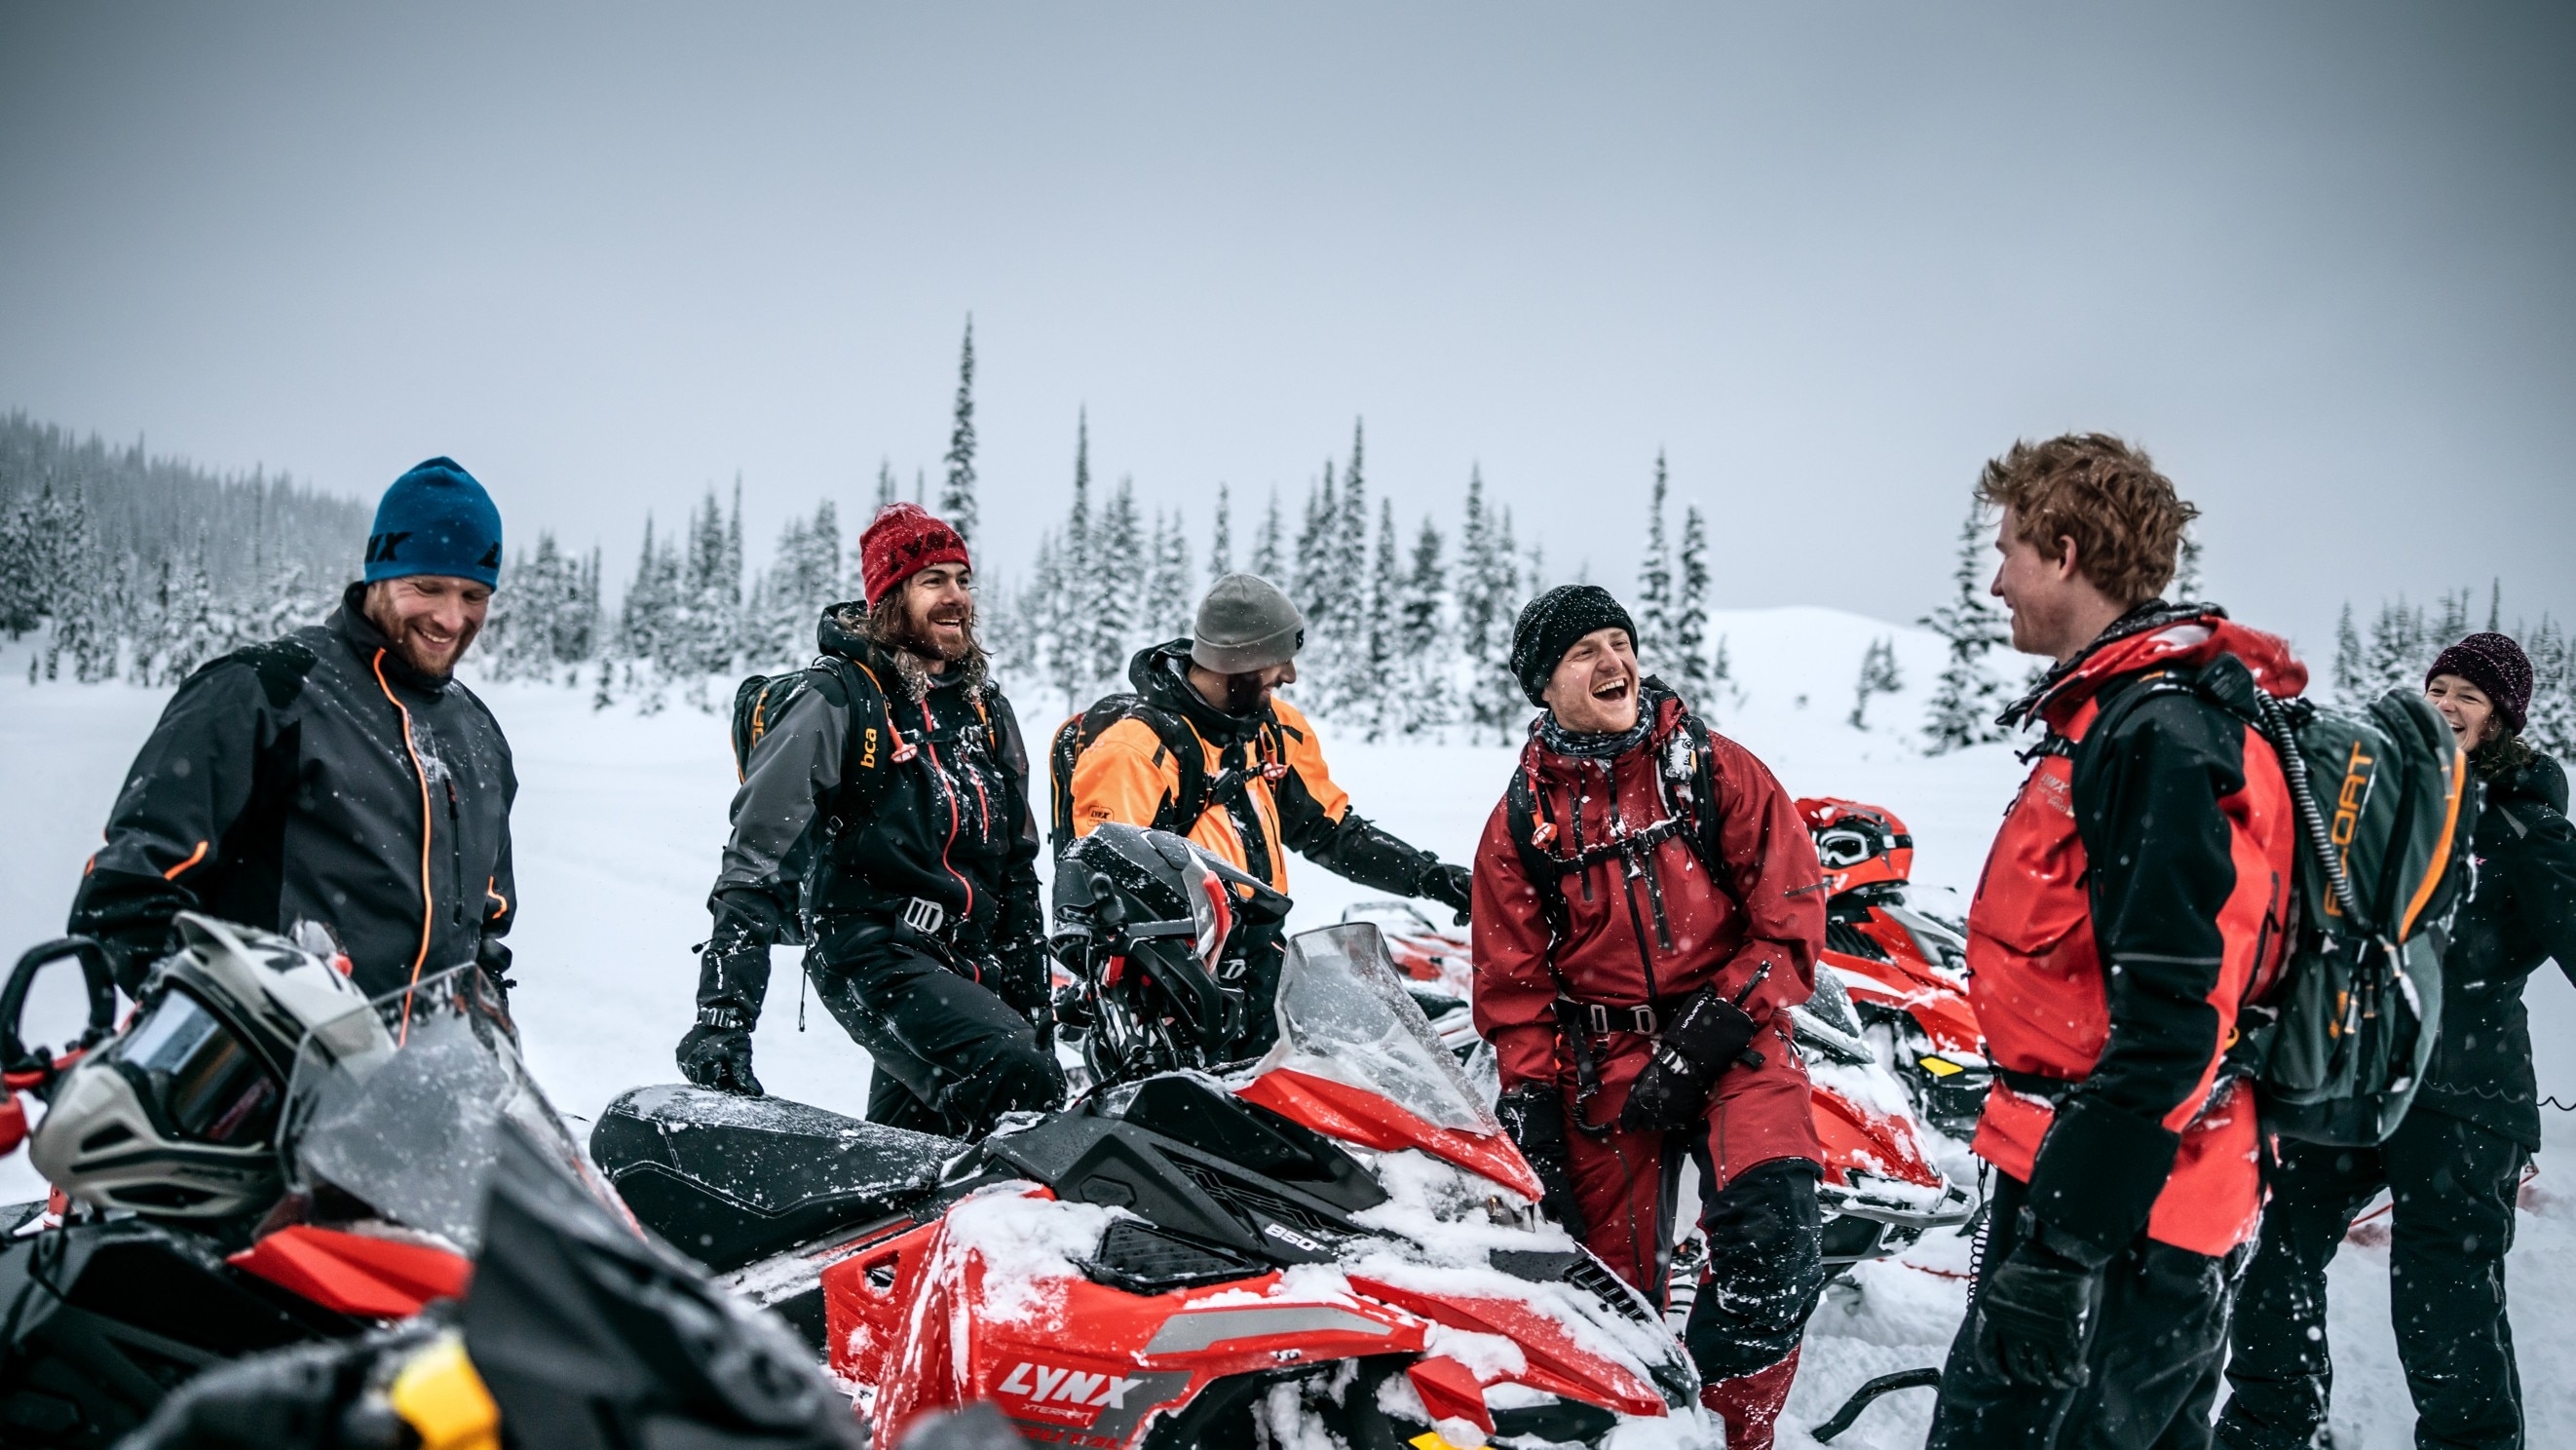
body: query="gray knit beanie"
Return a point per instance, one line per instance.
(1245, 624)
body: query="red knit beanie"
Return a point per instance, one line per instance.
(902, 541)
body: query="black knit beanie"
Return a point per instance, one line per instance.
(2497, 666)
(1550, 624)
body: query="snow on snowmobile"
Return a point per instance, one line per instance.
(259, 1157)
(1906, 972)
(1880, 1191)
(1336, 1235)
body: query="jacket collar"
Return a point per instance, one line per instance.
(2153, 635)
(351, 623)
(1653, 696)
(1160, 673)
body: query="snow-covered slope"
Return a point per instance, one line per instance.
(620, 818)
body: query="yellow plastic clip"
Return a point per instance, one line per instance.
(1938, 1066)
(1434, 1440)
(440, 1396)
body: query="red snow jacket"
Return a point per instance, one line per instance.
(2139, 886)
(1772, 914)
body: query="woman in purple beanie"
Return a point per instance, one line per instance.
(2454, 1164)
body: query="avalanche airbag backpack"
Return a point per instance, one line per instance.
(2339, 1040)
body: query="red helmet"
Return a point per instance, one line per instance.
(1857, 845)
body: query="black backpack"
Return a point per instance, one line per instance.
(2339, 1041)
(1174, 739)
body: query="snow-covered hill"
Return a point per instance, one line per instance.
(620, 819)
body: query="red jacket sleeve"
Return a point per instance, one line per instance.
(1515, 993)
(1766, 846)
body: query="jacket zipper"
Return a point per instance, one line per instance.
(427, 903)
(1628, 884)
(946, 788)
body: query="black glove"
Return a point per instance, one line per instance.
(719, 1057)
(1451, 886)
(1534, 1115)
(2032, 1313)
(1709, 1035)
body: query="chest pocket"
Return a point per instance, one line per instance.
(2032, 897)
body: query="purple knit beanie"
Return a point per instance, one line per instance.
(2496, 665)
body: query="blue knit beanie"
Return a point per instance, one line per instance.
(436, 520)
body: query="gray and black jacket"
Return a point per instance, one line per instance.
(877, 798)
(315, 778)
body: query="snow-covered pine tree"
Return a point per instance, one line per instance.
(2451, 625)
(185, 633)
(1338, 637)
(1967, 696)
(2188, 586)
(957, 492)
(1376, 698)
(1420, 639)
(1221, 538)
(1495, 697)
(887, 489)
(1654, 612)
(1688, 670)
(2550, 723)
(1266, 541)
(82, 596)
(1310, 577)
(1167, 589)
(2351, 666)
(22, 575)
(2495, 603)
(2396, 646)
(649, 627)
(1075, 583)
(1878, 676)
(1118, 563)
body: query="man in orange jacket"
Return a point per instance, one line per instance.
(1204, 748)
(2136, 889)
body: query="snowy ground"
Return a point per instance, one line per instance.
(620, 818)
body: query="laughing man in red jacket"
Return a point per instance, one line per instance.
(2134, 892)
(1639, 1008)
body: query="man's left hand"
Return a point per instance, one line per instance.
(1451, 886)
(2032, 1313)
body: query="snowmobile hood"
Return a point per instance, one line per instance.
(2158, 634)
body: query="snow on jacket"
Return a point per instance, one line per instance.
(1288, 800)
(2139, 884)
(315, 778)
(2523, 913)
(1763, 929)
(862, 799)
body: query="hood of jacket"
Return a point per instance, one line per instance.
(2155, 635)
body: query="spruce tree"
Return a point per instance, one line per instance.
(1311, 579)
(1687, 670)
(887, 489)
(1076, 581)
(2396, 647)
(2351, 667)
(1420, 639)
(1266, 543)
(1654, 613)
(1374, 697)
(2187, 585)
(1167, 592)
(1221, 538)
(957, 493)
(1967, 696)
(1878, 676)
(1118, 560)
(2550, 723)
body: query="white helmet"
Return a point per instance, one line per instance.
(176, 1116)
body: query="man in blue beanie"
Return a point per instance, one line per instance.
(339, 782)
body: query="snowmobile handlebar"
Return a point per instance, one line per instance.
(35, 1070)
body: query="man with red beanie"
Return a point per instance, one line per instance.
(884, 821)
(2137, 888)
(1648, 908)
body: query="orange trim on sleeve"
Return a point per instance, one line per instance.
(172, 874)
(492, 895)
(427, 907)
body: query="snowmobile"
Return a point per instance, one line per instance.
(1905, 971)
(1335, 1236)
(1880, 1191)
(259, 1157)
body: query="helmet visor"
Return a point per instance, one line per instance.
(196, 1079)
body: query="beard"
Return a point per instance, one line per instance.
(902, 630)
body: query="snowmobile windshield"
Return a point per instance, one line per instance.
(1344, 1014)
(399, 1103)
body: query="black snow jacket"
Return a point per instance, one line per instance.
(315, 778)
(865, 799)
(2524, 912)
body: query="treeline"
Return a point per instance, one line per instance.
(144, 567)
(2403, 640)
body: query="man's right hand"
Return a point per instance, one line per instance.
(719, 1058)
(1534, 1115)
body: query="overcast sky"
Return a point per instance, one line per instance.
(1829, 257)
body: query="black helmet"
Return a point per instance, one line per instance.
(1154, 930)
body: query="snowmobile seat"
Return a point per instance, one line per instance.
(729, 1180)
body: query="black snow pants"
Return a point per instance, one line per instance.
(2454, 1184)
(2151, 1367)
(950, 1056)
(1766, 1269)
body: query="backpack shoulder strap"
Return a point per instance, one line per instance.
(1522, 807)
(1697, 785)
(1174, 740)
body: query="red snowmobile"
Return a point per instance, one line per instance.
(1905, 971)
(1881, 1189)
(1336, 1235)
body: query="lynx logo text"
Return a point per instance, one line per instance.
(1045, 1384)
